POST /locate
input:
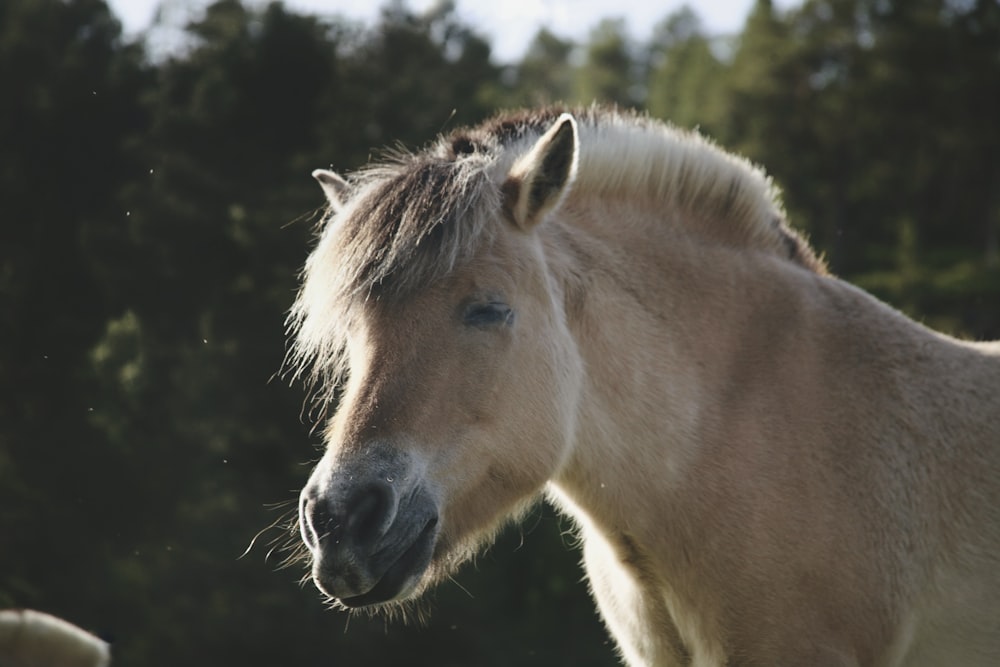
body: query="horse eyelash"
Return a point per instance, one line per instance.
(488, 314)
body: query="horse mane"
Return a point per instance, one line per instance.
(412, 218)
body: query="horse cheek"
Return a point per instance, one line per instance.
(543, 412)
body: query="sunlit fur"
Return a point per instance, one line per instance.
(767, 466)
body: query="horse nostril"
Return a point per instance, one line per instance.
(316, 521)
(361, 520)
(370, 512)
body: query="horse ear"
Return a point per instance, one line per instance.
(334, 187)
(538, 181)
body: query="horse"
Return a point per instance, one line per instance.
(766, 465)
(31, 638)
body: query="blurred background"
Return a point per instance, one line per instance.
(156, 205)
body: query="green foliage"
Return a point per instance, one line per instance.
(685, 75)
(867, 114)
(156, 214)
(607, 74)
(545, 75)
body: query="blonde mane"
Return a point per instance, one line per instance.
(413, 218)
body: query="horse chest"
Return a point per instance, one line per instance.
(650, 628)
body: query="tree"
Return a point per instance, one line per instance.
(606, 75)
(794, 107)
(858, 109)
(545, 74)
(413, 75)
(686, 79)
(69, 105)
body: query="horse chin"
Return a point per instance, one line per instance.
(397, 590)
(433, 556)
(404, 578)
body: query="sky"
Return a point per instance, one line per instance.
(509, 24)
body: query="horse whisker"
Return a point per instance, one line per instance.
(461, 587)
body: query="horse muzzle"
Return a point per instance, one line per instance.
(371, 533)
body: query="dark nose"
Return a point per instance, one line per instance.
(358, 521)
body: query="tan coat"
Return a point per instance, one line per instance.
(768, 466)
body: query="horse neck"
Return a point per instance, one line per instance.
(662, 318)
(703, 359)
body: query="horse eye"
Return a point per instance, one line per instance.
(488, 314)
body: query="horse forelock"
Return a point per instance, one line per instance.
(407, 223)
(411, 219)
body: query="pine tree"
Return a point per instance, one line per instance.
(686, 79)
(545, 74)
(607, 74)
